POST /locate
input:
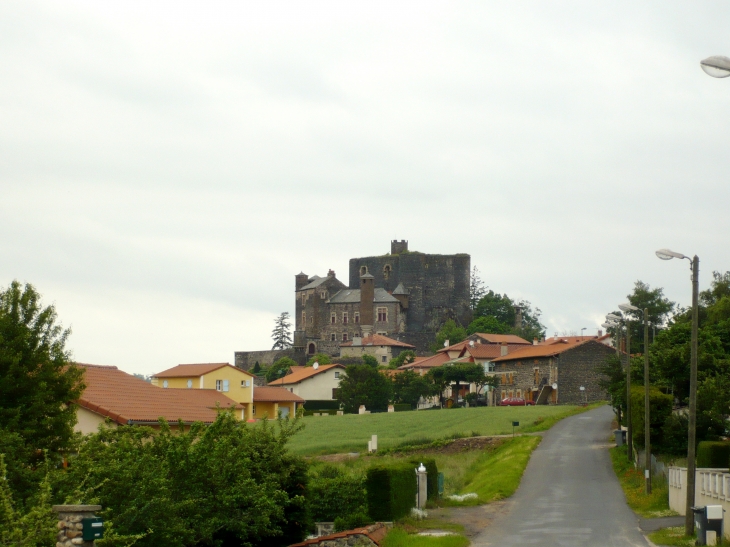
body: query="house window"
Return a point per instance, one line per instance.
(323, 295)
(337, 374)
(536, 372)
(253, 409)
(218, 385)
(333, 337)
(344, 317)
(333, 318)
(504, 378)
(357, 317)
(504, 396)
(519, 393)
(490, 367)
(226, 385)
(190, 384)
(344, 337)
(382, 314)
(385, 358)
(244, 383)
(164, 383)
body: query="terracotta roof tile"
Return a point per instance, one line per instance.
(545, 350)
(198, 369)
(430, 362)
(302, 373)
(490, 351)
(376, 532)
(380, 340)
(268, 394)
(124, 399)
(499, 338)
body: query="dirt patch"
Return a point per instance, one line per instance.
(466, 444)
(474, 519)
(337, 457)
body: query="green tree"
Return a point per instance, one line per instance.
(37, 383)
(477, 289)
(450, 332)
(364, 385)
(409, 387)
(502, 309)
(321, 358)
(487, 325)
(282, 332)
(370, 361)
(279, 368)
(403, 358)
(659, 310)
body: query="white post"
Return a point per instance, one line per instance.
(374, 443)
(361, 410)
(422, 482)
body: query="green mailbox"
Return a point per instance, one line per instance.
(92, 528)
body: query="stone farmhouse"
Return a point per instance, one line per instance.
(381, 347)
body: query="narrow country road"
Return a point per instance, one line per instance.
(569, 495)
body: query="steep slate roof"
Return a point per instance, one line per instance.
(183, 371)
(302, 373)
(352, 296)
(268, 394)
(316, 282)
(379, 340)
(400, 289)
(127, 400)
(548, 350)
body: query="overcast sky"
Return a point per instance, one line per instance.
(168, 167)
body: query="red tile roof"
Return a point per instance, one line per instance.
(126, 399)
(546, 350)
(490, 351)
(499, 338)
(379, 340)
(302, 373)
(430, 362)
(376, 532)
(571, 339)
(266, 394)
(198, 369)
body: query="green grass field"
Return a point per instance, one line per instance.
(351, 432)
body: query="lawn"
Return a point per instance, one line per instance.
(351, 432)
(398, 537)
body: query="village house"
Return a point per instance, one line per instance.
(318, 383)
(237, 384)
(379, 346)
(117, 398)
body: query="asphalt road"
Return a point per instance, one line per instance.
(569, 495)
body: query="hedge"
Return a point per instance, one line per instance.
(323, 404)
(433, 476)
(341, 496)
(660, 408)
(713, 454)
(328, 412)
(402, 407)
(391, 491)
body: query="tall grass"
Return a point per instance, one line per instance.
(351, 432)
(655, 504)
(398, 537)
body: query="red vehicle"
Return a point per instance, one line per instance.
(516, 401)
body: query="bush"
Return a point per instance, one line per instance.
(674, 435)
(402, 407)
(660, 408)
(324, 404)
(391, 491)
(713, 454)
(432, 476)
(336, 495)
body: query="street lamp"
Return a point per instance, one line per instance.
(647, 434)
(666, 254)
(629, 428)
(581, 332)
(716, 66)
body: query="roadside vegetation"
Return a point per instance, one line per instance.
(631, 479)
(672, 537)
(398, 537)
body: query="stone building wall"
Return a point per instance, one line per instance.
(580, 367)
(247, 359)
(527, 376)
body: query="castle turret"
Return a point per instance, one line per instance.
(398, 247)
(301, 280)
(367, 299)
(402, 294)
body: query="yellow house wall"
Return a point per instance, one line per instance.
(239, 394)
(271, 410)
(88, 421)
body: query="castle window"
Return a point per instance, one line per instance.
(311, 320)
(344, 337)
(304, 318)
(363, 270)
(323, 295)
(333, 318)
(386, 271)
(333, 337)
(344, 317)
(357, 317)
(382, 314)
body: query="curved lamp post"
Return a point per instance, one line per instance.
(630, 430)
(716, 66)
(666, 254)
(647, 434)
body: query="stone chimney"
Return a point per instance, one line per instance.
(503, 349)
(600, 333)
(331, 273)
(518, 317)
(367, 300)
(534, 343)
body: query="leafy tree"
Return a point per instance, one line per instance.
(450, 332)
(614, 382)
(37, 381)
(659, 310)
(364, 385)
(720, 288)
(279, 368)
(501, 308)
(321, 358)
(256, 368)
(227, 483)
(404, 357)
(488, 325)
(409, 387)
(477, 289)
(370, 361)
(462, 373)
(282, 332)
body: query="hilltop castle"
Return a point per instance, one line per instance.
(404, 295)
